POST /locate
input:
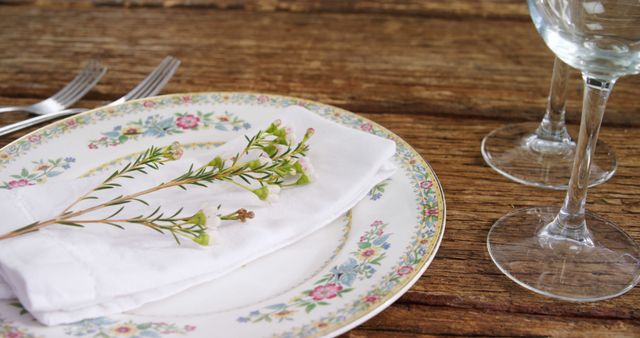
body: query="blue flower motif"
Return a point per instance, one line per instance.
(346, 273)
(69, 159)
(386, 245)
(242, 319)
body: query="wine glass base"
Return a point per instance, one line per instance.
(561, 268)
(516, 152)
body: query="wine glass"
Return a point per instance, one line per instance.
(567, 252)
(541, 154)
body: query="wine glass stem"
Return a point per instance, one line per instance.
(570, 221)
(553, 127)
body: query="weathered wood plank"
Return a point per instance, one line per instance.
(424, 321)
(506, 9)
(375, 63)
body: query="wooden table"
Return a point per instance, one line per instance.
(441, 74)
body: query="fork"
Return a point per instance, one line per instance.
(68, 95)
(150, 86)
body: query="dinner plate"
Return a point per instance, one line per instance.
(323, 285)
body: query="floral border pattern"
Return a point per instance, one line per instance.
(371, 251)
(8, 330)
(42, 170)
(105, 328)
(429, 197)
(158, 126)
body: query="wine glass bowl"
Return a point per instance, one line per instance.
(567, 252)
(600, 38)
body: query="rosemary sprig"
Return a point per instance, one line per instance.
(281, 162)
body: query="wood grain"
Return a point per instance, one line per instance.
(511, 9)
(366, 62)
(440, 74)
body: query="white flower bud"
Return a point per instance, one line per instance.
(213, 220)
(264, 160)
(274, 193)
(306, 165)
(281, 148)
(290, 134)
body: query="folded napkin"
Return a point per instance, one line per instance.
(63, 274)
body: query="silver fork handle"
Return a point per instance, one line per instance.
(10, 128)
(11, 109)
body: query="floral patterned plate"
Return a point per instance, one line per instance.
(323, 285)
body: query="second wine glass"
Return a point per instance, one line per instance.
(542, 154)
(566, 252)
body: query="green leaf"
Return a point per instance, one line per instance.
(310, 307)
(364, 245)
(115, 213)
(141, 201)
(116, 225)
(143, 326)
(69, 223)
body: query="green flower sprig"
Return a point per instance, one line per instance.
(280, 162)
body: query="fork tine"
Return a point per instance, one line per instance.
(164, 77)
(84, 84)
(70, 96)
(83, 87)
(73, 88)
(89, 68)
(138, 91)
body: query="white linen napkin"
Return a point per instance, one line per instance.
(63, 274)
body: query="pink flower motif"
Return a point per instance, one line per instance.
(366, 127)
(362, 238)
(368, 253)
(263, 99)
(380, 232)
(34, 138)
(186, 99)
(431, 212)
(14, 334)
(187, 121)
(122, 329)
(426, 184)
(403, 270)
(18, 183)
(371, 298)
(149, 104)
(190, 328)
(93, 146)
(325, 291)
(376, 223)
(71, 123)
